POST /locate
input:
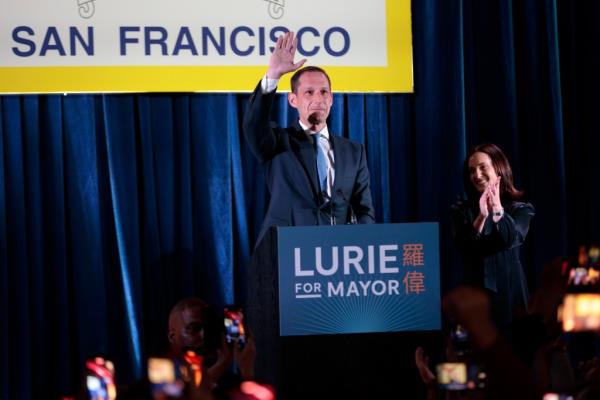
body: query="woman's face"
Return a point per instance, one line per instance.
(481, 171)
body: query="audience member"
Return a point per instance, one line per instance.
(193, 325)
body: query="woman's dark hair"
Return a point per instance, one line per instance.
(508, 192)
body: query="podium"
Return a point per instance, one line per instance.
(322, 300)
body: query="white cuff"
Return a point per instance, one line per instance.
(268, 85)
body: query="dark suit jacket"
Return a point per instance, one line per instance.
(288, 156)
(492, 258)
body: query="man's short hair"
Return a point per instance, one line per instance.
(311, 68)
(184, 304)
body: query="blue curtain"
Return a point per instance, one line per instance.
(113, 207)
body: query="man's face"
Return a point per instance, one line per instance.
(187, 329)
(312, 99)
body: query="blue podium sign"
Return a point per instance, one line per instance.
(359, 278)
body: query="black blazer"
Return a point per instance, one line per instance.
(288, 156)
(492, 259)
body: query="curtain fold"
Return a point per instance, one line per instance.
(113, 207)
(20, 331)
(4, 327)
(122, 155)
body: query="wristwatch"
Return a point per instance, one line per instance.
(498, 213)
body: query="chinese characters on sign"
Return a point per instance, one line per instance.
(413, 256)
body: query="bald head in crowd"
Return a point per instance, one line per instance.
(187, 325)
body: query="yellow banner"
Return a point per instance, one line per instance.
(201, 46)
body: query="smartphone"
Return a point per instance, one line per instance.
(193, 368)
(460, 376)
(235, 330)
(557, 396)
(100, 379)
(581, 312)
(251, 390)
(452, 376)
(580, 278)
(163, 377)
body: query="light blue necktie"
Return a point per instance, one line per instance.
(320, 141)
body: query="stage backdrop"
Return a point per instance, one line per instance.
(198, 45)
(113, 207)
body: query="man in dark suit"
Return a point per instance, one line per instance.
(314, 177)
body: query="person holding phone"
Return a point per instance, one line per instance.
(489, 228)
(193, 325)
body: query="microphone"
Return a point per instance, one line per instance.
(353, 220)
(328, 203)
